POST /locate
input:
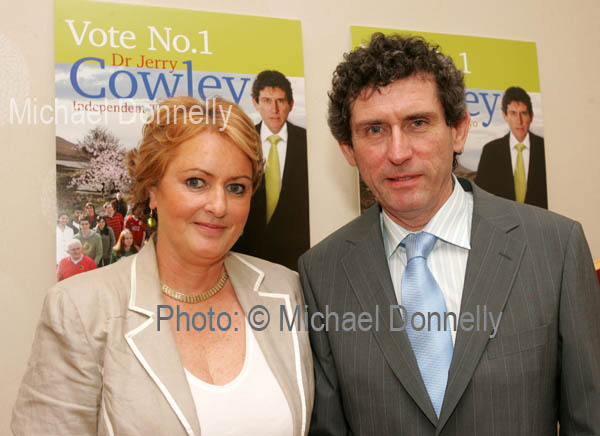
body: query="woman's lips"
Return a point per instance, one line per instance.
(211, 227)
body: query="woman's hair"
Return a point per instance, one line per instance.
(103, 231)
(178, 119)
(120, 245)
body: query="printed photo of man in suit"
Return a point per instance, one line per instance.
(525, 354)
(514, 166)
(278, 224)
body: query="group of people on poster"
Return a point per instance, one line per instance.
(88, 241)
(345, 352)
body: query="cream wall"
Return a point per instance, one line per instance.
(566, 34)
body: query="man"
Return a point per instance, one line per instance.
(439, 247)
(75, 263)
(278, 224)
(91, 214)
(514, 166)
(64, 234)
(77, 214)
(114, 219)
(120, 206)
(137, 226)
(90, 240)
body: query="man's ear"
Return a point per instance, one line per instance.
(460, 133)
(255, 103)
(348, 152)
(291, 105)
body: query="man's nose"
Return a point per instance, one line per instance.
(399, 146)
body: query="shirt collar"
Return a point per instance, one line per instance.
(265, 132)
(514, 141)
(452, 223)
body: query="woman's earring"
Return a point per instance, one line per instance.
(151, 220)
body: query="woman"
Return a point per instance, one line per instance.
(124, 247)
(175, 340)
(64, 234)
(108, 240)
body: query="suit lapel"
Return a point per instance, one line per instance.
(278, 343)
(367, 270)
(492, 266)
(156, 350)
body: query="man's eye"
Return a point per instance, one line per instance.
(236, 188)
(374, 130)
(418, 123)
(194, 183)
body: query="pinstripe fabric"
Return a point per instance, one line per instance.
(448, 259)
(543, 365)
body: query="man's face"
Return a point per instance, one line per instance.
(77, 214)
(75, 252)
(273, 107)
(518, 118)
(403, 148)
(85, 227)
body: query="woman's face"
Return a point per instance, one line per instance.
(203, 199)
(63, 220)
(101, 224)
(128, 241)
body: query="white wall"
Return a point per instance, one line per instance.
(566, 34)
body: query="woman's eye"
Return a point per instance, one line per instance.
(236, 188)
(194, 183)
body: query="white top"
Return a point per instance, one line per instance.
(448, 258)
(265, 132)
(251, 404)
(513, 152)
(62, 239)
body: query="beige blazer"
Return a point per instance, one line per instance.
(99, 364)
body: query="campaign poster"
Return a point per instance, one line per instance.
(114, 62)
(494, 70)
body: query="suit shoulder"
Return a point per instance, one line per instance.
(336, 243)
(266, 267)
(496, 144)
(104, 289)
(296, 130)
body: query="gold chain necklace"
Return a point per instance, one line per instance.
(184, 298)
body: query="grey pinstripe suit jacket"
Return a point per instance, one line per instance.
(542, 366)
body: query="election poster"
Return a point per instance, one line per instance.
(496, 71)
(115, 62)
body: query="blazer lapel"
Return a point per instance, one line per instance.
(367, 270)
(492, 266)
(156, 350)
(279, 344)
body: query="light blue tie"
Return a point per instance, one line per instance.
(432, 344)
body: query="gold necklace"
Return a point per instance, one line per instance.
(184, 298)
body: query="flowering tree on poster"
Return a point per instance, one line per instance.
(106, 172)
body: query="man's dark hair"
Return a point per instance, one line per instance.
(385, 60)
(85, 218)
(273, 79)
(514, 93)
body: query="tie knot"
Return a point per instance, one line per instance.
(520, 147)
(274, 139)
(418, 245)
